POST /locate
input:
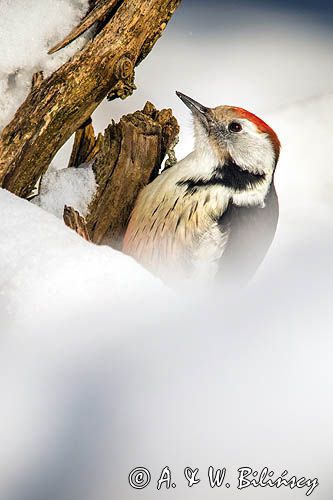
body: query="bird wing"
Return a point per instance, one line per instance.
(252, 232)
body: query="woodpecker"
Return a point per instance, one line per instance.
(213, 215)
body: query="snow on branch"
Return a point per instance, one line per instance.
(98, 13)
(58, 105)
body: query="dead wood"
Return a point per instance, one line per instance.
(128, 156)
(75, 221)
(85, 145)
(60, 104)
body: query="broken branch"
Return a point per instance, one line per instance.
(64, 101)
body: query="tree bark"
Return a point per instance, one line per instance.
(59, 105)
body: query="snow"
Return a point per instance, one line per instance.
(47, 267)
(48, 273)
(104, 379)
(304, 176)
(28, 29)
(74, 187)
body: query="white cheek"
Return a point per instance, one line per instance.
(252, 150)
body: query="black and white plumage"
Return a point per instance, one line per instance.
(213, 214)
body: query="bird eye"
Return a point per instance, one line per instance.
(235, 127)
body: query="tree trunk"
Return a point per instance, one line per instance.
(130, 156)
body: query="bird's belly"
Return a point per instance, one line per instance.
(208, 252)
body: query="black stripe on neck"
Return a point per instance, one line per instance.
(228, 175)
(237, 178)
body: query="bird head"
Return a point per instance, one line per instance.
(228, 132)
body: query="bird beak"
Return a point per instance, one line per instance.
(202, 112)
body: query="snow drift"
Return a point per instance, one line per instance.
(47, 268)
